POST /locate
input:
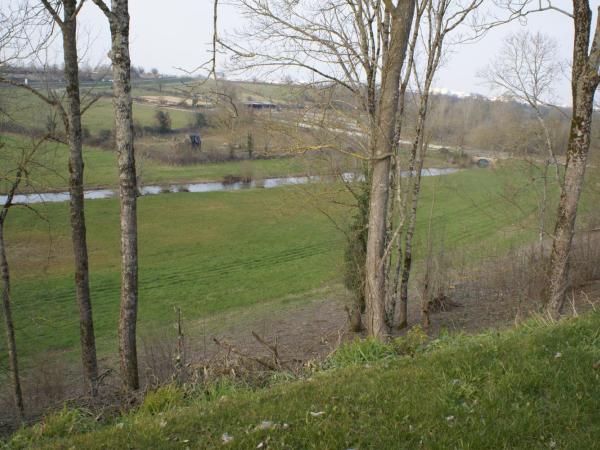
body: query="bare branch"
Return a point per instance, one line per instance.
(53, 12)
(104, 8)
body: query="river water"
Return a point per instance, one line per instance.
(52, 197)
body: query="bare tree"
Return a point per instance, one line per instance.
(32, 20)
(360, 48)
(72, 120)
(14, 177)
(526, 70)
(118, 19)
(442, 17)
(584, 82)
(400, 19)
(6, 300)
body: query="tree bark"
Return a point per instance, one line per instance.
(412, 223)
(375, 295)
(118, 18)
(76, 167)
(584, 81)
(10, 328)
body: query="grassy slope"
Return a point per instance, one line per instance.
(29, 111)
(202, 252)
(211, 253)
(531, 387)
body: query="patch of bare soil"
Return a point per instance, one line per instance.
(311, 330)
(301, 331)
(479, 311)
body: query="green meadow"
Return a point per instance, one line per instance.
(50, 171)
(220, 252)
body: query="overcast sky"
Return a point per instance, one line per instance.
(178, 36)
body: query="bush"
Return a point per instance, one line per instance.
(163, 120)
(138, 129)
(414, 341)
(104, 136)
(355, 255)
(51, 124)
(200, 120)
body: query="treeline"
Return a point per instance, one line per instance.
(53, 72)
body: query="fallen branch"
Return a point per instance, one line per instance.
(230, 348)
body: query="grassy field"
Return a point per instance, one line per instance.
(533, 387)
(202, 252)
(101, 167)
(210, 253)
(27, 110)
(31, 112)
(51, 171)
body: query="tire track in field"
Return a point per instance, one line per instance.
(196, 273)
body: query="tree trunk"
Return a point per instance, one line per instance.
(417, 157)
(375, 296)
(78, 229)
(10, 329)
(584, 81)
(119, 25)
(408, 240)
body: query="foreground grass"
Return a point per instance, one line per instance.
(535, 386)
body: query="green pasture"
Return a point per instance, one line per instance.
(50, 172)
(218, 252)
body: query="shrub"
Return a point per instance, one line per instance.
(104, 136)
(414, 341)
(51, 124)
(163, 120)
(138, 129)
(250, 145)
(200, 120)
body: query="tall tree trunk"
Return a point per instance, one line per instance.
(78, 229)
(118, 18)
(375, 295)
(8, 322)
(128, 193)
(399, 199)
(584, 80)
(410, 232)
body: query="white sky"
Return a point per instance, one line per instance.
(178, 35)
